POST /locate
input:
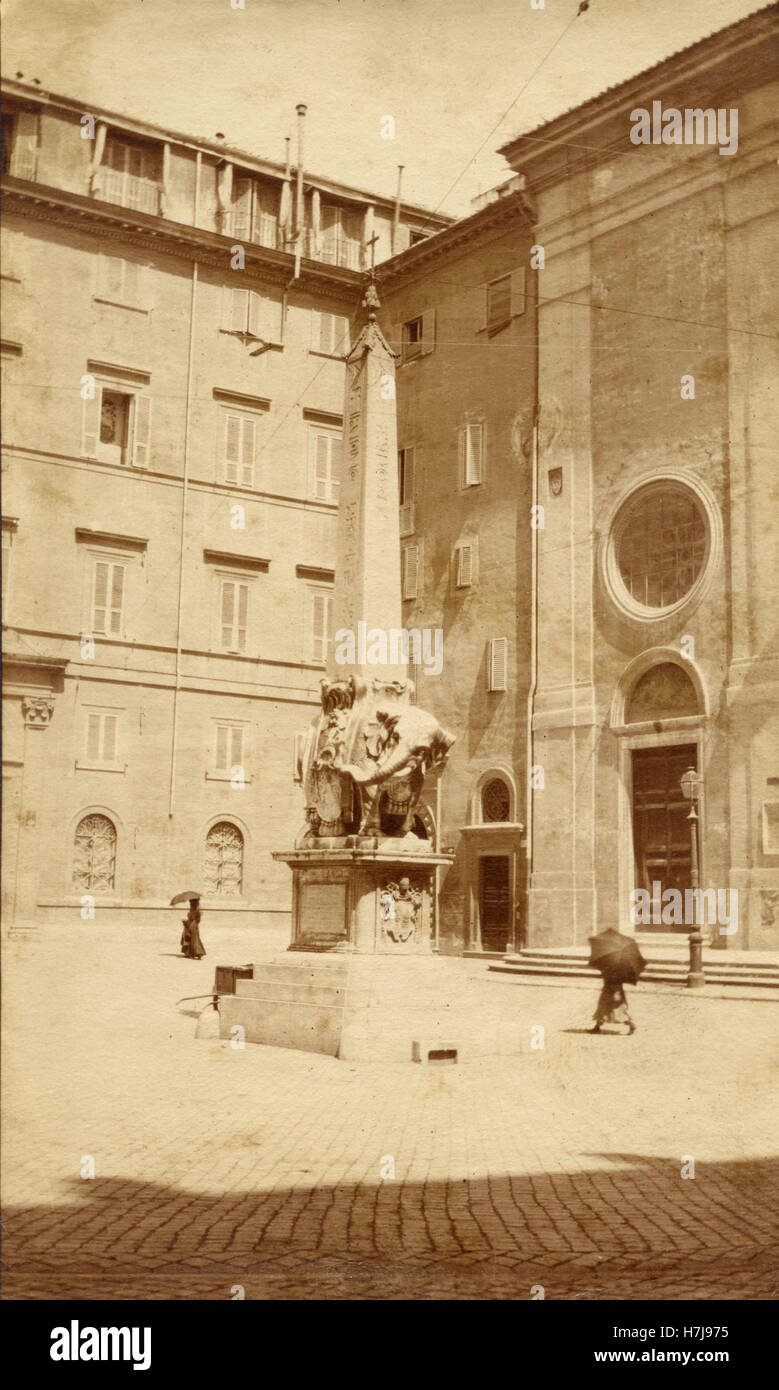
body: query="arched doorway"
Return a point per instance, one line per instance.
(657, 714)
(492, 840)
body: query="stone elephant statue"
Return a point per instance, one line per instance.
(402, 744)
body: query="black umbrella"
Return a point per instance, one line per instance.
(616, 956)
(185, 897)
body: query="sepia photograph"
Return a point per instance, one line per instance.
(390, 762)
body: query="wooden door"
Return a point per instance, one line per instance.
(661, 829)
(494, 901)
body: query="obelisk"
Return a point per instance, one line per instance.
(366, 601)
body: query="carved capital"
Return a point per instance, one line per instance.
(37, 710)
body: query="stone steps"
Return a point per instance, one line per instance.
(662, 968)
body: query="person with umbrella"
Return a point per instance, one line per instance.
(620, 962)
(191, 944)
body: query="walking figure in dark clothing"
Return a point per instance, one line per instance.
(620, 962)
(612, 1006)
(191, 945)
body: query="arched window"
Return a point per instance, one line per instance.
(495, 801)
(223, 871)
(665, 691)
(94, 857)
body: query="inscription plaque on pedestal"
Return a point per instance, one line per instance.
(322, 908)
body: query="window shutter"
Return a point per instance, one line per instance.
(464, 566)
(109, 276)
(236, 748)
(243, 608)
(324, 338)
(497, 664)
(336, 460)
(222, 733)
(256, 314)
(141, 431)
(518, 291)
(407, 461)
(266, 216)
(117, 595)
(410, 570)
(340, 334)
(228, 611)
(109, 738)
(232, 447)
(499, 306)
(247, 452)
(321, 467)
(241, 221)
(93, 737)
(476, 433)
(90, 426)
(130, 276)
(471, 449)
(101, 596)
(428, 330)
(319, 635)
(484, 291)
(25, 153)
(239, 315)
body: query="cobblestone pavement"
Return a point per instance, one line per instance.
(268, 1169)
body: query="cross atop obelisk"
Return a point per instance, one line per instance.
(367, 576)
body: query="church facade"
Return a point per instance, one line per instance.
(625, 523)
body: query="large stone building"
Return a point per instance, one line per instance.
(584, 388)
(175, 320)
(638, 613)
(459, 312)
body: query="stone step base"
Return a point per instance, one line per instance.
(672, 972)
(372, 1009)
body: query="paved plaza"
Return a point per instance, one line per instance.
(284, 1175)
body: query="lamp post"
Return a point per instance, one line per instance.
(691, 784)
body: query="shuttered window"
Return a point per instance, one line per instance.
(406, 469)
(229, 747)
(471, 455)
(341, 237)
(504, 300)
(238, 445)
(117, 279)
(330, 334)
(131, 176)
(108, 592)
(234, 615)
(246, 311)
(101, 740)
(499, 303)
(116, 427)
(326, 455)
(241, 211)
(24, 150)
(465, 565)
(497, 663)
(410, 577)
(320, 607)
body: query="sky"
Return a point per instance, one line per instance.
(459, 77)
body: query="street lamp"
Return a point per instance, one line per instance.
(691, 784)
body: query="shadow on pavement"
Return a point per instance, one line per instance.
(627, 1227)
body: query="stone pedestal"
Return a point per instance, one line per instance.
(373, 899)
(372, 1008)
